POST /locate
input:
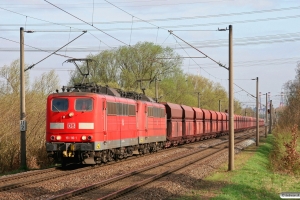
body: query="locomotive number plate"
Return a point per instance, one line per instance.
(71, 125)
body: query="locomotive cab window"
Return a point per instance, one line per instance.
(84, 104)
(60, 104)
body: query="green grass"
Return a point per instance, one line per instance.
(251, 179)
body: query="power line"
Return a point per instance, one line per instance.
(256, 62)
(260, 63)
(244, 90)
(194, 60)
(171, 32)
(95, 49)
(37, 18)
(131, 14)
(207, 24)
(176, 18)
(250, 38)
(30, 67)
(86, 23)
(59, 24)
(170, 4)
(177, 26)
(101, 41)
(34, 47)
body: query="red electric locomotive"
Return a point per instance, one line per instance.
(92, 124)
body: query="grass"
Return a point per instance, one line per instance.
(251, 179)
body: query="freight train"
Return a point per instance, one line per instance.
(90, 124)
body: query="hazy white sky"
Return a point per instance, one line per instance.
(266, 36)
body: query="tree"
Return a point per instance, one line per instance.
(46, 83)
(35, 116)
(290, 115)
(126, 65)
(10, 78)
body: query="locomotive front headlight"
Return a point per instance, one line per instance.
(89, 137)
(52, 137)
(71, 114)
(58, 137)
(83, 137)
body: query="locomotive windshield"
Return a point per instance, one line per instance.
(60, 104)
(84, 104)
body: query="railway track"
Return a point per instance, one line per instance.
(30, 178)
(120, 185)
(23, 179)
(5, 180)
(10, 183)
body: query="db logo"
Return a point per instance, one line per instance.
(71, 125)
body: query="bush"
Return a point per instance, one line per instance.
(285, 157)
(35, 117)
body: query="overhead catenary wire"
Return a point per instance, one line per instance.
(185, 3)
(252, 63)
(245, 90)
(198, 66)
(38, 19)
(35, 48)
(131, 14)
(171, 32)
(101, 41)
(93, 14)
(156, 35)
(87, 23)
(195, 61)
(195, 25)
(95, 48)
(31, 66)
(235, 22)
(25, 22)
(59, 24)
(131, 30)
(132, 20)
(68, 41)
(169, 4)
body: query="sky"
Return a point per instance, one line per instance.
(266, 36)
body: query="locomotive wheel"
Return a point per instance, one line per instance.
(104, 157)
(111, 155)
(154, 148)
(125, 152)
(129, 151)
(146, 149)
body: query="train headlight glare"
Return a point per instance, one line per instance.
(71, 114)
(58, 137)
(83, 137)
